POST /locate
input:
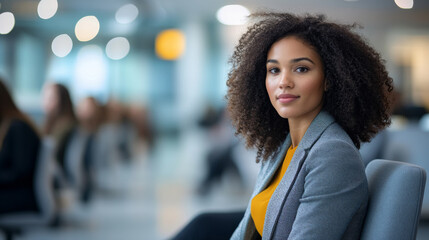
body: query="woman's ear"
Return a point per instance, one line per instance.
(326, 85)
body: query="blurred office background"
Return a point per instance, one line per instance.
(162, 65)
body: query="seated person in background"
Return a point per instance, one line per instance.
(19, 147)
(60, 125)
(90, 119)
(60, 120)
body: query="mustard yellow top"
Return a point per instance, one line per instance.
(258, 207)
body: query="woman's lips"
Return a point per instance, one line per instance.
(286, 98)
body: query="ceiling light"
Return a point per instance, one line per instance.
(62, 45)
(87, 28)
(117, 48)
(232, 15)
(170, 44)
(405, 4)
(7, 22)
(126, 14)
(47, 8)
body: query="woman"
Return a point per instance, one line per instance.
(60, 119)
(305, 93)
(19, 147)
(90, 118)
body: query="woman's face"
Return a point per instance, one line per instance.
(295, 79)
(50, 99)
(86, 109)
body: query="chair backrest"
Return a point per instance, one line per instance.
(396, 192)
(409, 145)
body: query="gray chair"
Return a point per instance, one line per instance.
(396, 191)
(410, 145)
(12, 223)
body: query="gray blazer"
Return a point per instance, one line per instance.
(323, 194)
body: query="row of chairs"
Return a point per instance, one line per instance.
(396, 195)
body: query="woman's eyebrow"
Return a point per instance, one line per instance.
(272, 61)
(295, 60)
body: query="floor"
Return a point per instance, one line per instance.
(152, 198)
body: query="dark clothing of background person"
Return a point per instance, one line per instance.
(18, 157)
(211, 226)
(60, 153)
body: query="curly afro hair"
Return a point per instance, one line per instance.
(358, 85)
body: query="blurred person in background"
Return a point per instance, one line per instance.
(60, 125)
(60, 119)
(89, 114)
(220, 158)
(90, 118)
(19, 147)
(118, 119)
(112, 146)
(305, 92)
(142, 130)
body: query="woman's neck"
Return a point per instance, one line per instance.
(297, 131)
(298, 127)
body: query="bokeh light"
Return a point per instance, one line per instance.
(47, 8)
(127, 14)
(405, 4)
(7, 22)
(62, 45)
(170, 44)
(232, 15)
(117, 48)
(87, 28)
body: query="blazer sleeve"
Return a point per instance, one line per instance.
(335, 188)
(18, 154)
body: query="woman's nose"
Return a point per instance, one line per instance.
(285, 81)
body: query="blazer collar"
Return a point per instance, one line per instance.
(314, 131)
(316, 128)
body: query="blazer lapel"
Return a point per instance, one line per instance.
(271, 166)
(267, 172)
(315, 130)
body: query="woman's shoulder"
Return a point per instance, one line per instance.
(335, 133)
(18, 123)
(335, 138)
(334, 147)
(19, 126)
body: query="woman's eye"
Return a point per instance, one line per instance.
(301, 69)
(274, 70)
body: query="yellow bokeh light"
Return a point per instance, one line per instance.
(170, 44)
(87, 28)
